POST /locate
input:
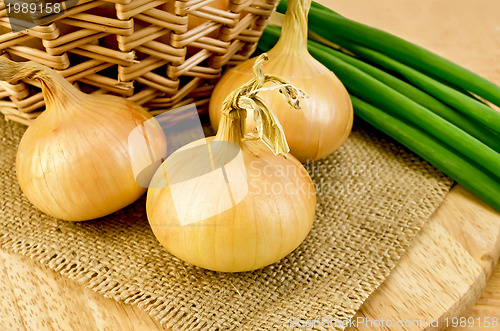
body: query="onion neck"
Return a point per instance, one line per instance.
(235, 106)
(293, 37)
(57, 91)
(232, 126)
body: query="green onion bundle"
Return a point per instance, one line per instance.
(420, 99)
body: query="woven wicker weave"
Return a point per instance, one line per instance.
(146, 50)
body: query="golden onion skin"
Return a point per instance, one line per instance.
(324, 121)
(79, 159)
(272, 219)
(74, 163)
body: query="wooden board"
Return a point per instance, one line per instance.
(444, 273)
(36, 298)
(441, 275)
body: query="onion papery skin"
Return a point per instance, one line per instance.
(272, 219)
(74, 163)
(323, 122)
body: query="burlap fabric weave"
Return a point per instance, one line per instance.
(373, 197)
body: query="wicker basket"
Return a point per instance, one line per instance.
(145, 50)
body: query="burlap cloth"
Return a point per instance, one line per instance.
(373, 197)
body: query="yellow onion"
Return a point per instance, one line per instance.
(75, 161)
(325, 118)
(233, 202)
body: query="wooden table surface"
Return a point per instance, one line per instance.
(33, 297)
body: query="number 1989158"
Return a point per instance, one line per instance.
(25, 8)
